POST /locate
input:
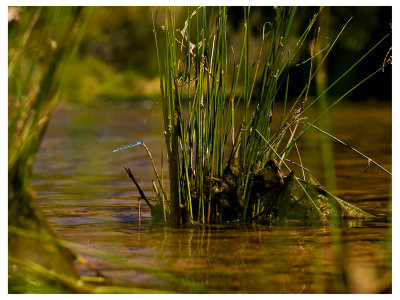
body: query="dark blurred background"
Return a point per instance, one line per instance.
(117, 58)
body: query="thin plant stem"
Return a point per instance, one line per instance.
(350, 147)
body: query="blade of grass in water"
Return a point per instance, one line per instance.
(74, 284)
(350, 147)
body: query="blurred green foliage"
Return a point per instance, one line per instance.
(117, 56)
(40, 55)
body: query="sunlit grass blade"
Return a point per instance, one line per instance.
(350, 147)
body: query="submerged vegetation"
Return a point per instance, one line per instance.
(225, 159)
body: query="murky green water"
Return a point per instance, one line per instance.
(87, 197)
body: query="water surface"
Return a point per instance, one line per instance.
(88, 199)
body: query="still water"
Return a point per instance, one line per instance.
(88, 199)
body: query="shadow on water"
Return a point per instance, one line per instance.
(85, 194)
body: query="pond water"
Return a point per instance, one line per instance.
(88, 199)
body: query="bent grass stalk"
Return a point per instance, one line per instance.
(161, 197)
(370, 160)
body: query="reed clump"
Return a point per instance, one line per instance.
(225, 161)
